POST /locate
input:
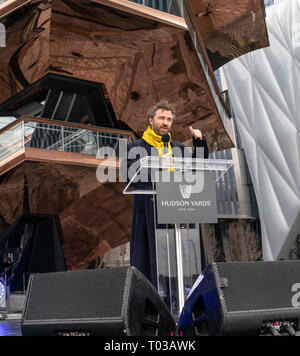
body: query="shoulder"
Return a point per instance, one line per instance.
(138, 143)
(177, 144)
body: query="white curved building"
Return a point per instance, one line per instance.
(264, 87)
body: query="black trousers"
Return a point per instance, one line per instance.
(142, 238)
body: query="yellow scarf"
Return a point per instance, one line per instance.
(156, 141)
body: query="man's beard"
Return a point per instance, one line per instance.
(157, 130)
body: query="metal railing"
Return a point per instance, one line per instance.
(8, 274)
(58, 136)
(168, 6)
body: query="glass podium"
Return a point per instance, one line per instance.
(178, 242)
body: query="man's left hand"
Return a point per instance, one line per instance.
(196, 133)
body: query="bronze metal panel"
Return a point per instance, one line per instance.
(95, 217)
(139, 59)
(25, 58)
(52, 156)
(89, 235)
(230, 27)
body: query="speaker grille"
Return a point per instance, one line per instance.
(106, 302)
(258, 285)
(87, 287)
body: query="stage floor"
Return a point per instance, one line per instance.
(10, 327)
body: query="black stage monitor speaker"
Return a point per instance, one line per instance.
(107, 302)
(247, 298)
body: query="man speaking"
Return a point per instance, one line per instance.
(142, 238)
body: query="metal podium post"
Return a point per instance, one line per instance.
(179, 267)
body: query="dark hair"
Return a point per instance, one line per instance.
(163, 104)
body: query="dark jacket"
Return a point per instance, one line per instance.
(142, 238)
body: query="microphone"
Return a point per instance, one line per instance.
(165, 139)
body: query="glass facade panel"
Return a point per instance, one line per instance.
(268, 3)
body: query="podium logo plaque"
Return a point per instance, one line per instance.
(185, 190)
(182, 203)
